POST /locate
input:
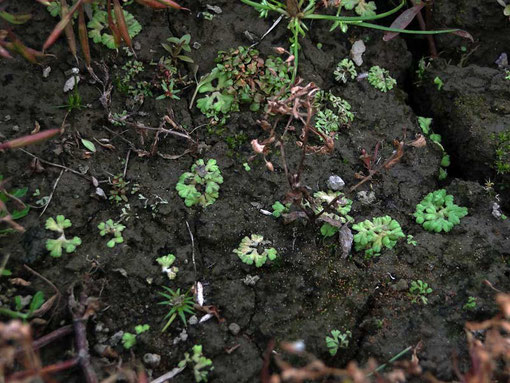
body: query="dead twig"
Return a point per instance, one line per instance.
(81, 310)
(52, 192)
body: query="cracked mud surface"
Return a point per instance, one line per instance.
(311, 290)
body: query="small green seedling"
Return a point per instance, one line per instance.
(345, 71)
(470, 304)
(166, 263)
(111, 228)
(176, 47)
(437, 212)
(380, 79)
(129, 340)
(180, 305)
(246, 166)
(201, 185)
(502, 153)
(373, 235)
(337, 340)
(422, 67)
(439, 83)
(55, 246)
(254, 250)
(418, 292)
(507, 73)
(279, 209)
(333, 113)
(410, 240)
(425, 123)
(202, 366)
(119, 190)
(170, 92)
(36, 302)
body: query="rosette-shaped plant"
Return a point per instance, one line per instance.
(201, 185)
(437, 212)
(55, 246)
(374, 235)
(255, 250)
(111, 228)
(380, 79)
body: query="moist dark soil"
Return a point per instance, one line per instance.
(311, 289)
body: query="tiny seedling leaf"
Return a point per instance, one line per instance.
(89, 145)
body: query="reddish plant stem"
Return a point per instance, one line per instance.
(51, 369)
(423, 27)
(48, 338)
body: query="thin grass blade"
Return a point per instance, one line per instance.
(15, 19)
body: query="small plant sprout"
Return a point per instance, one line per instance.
(176, 48)
(380, 79)
(418, 292)
(279, 209)
(333, 113)
(119, 190)
(170, 92)
(166, 263)
(502, 154)
(373, 235)
(470, 304)
(55, 246)
(345, 71)
(129, 340)
(254, 250)
(411, 240)
(439, 83)
(202, 366)
(425, 123)
(112, 228)
(36, 302)
(437, 212)
(337, 340)
(201, 185)
(507, 73)
(180, 305)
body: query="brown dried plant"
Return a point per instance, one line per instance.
(295, 110)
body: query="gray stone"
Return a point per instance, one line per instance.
(152, 360)
(335, 183)
(234, 328)
(115, 339)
